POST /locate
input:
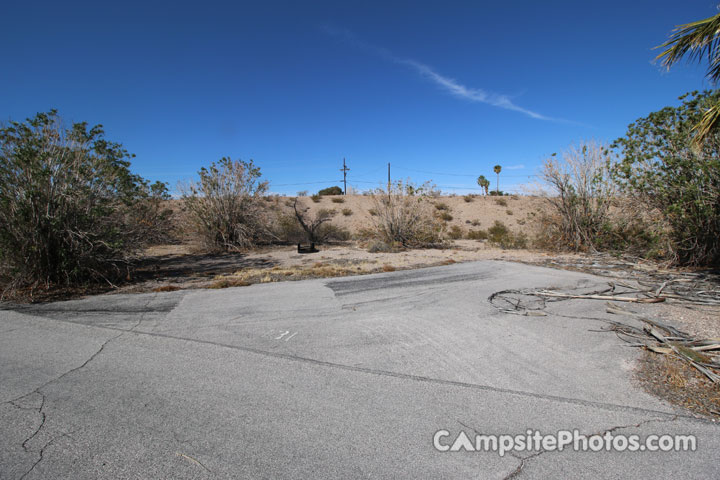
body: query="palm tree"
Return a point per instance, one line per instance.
(697, 40)
(484, 183)
(497, 169)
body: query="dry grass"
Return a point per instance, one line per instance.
(228, 282)
(300, 272)
(675, 381)
(166, 288)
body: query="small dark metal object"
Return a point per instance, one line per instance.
(307, 249)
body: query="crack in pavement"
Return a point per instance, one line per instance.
(40, 409)
(42, 453)
(386, 373)
(38, 391)
(523, 462)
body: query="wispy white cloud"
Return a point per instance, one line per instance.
(472, 94)
(514, 167)
(448, 84)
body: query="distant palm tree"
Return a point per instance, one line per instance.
(697, 40)
(497, 169)
(484, 183)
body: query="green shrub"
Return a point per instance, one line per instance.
(660, 169)
(468, 198)
(501, 201)
(445, 216)
(337, 200)
(71, 211)
(335, 190)
(316, 198)
(347, 212)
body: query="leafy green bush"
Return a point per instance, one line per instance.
(70, 209)
(661, 169)
(331, 191)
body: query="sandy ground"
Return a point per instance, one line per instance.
(468, 212)
(177, 266)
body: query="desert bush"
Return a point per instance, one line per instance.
(405, 219)
(442, 207)
(337, 200)
(335, 190)
(500, 235)
(373, 212)
(477, 235)
(225, 205)
(468, 198)
(581, 194)
(660, 169)
(501, 201)
(317, 228)
(508, 212)
(316, 198)
(455, 232)
(287, 229)
(475, 223)
(445, 216)
(378, 246)
(70, 209)
(347, 212)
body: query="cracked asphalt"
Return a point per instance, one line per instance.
(333, 378)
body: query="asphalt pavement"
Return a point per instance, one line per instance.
(330, 378)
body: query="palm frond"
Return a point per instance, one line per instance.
(697, 40)
(708, 124)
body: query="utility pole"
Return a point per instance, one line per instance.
(388, 177)
(344, 169)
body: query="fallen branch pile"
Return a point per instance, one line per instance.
(658, 337)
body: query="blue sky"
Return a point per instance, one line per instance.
(450, 88)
